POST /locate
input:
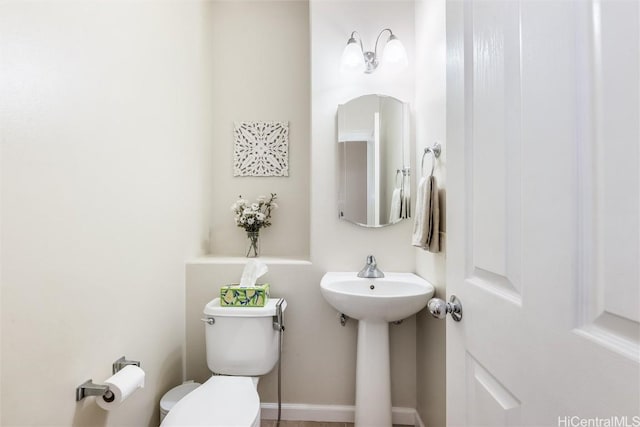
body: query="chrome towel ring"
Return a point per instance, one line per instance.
(435, 150)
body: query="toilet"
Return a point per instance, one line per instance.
(241, 345)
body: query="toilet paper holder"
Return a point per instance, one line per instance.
(121, 363)
(89, 388)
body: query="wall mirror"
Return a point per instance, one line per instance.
(373, 161)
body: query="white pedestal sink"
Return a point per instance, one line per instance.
(375, 303)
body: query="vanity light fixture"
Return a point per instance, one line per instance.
(354, 58)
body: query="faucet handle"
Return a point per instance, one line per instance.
(371, 260)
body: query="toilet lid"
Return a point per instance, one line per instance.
(221, 401)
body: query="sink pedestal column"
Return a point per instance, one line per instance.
(373, 375)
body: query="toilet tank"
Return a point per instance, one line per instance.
(241, 340)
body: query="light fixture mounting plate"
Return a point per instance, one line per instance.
(371, 62)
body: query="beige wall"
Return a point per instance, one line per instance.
(117, 157)
(261, 73)
(105, 110)
(319, 355)
(430, 124)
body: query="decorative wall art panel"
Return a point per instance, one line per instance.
(261, 149)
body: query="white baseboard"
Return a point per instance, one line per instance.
(418, 422)
(331, 413)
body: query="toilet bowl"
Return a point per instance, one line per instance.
(242, 343)
(222, 401)
(174, 395)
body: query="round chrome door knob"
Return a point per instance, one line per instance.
(439, 308)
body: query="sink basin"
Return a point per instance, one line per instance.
(375, 303)
(393, 297)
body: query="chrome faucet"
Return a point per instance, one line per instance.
(370, 270)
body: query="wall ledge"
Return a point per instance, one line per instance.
(225, 260)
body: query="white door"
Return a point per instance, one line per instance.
(543, 212)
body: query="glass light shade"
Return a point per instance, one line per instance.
(394, 54)
(352, 58)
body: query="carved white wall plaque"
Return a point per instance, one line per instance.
(261, 149)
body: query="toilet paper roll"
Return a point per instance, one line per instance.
(122, 384)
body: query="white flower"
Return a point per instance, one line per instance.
(256, 215)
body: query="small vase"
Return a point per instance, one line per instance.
(253, 244)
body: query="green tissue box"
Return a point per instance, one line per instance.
(251, 296)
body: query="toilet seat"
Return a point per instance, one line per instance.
(222, 401)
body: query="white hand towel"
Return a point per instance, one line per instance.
(394, 210)
(426, 228)
(418, 222)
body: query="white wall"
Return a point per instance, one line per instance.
(430, 124)
(105, 111)
(337, 245)
(261, 73)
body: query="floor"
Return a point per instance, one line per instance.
(272, 423)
